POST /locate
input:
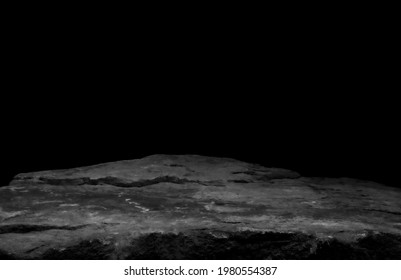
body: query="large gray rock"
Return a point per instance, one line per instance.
(195, 207)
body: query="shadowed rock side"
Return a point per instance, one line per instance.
(195, 207)
(230, 245)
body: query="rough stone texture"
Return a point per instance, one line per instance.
(195, 207)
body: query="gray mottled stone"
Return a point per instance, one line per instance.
(166, 206)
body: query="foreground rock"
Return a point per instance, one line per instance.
(194, 207)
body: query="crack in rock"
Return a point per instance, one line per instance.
(384, 211)
(24, 228)
(124, 183)
(34, 249)
(261, 175)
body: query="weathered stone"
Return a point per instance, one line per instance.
(195, 207)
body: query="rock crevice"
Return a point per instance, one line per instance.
(118, 182)
(25, 228)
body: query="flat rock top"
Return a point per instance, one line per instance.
(120, 201)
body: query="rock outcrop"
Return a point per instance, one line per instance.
(196, 207)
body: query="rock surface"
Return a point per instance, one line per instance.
(195, 207)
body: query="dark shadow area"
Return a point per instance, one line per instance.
(372, 247)
(220, 246)
(6, 256)
(24, 228)
(246, 245)
(86, 250)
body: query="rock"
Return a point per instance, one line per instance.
(196, 207)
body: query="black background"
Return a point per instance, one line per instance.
(323, 134)
(317, 103)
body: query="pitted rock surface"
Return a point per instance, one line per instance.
(196, 207)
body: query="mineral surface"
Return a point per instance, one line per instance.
(196, 207)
